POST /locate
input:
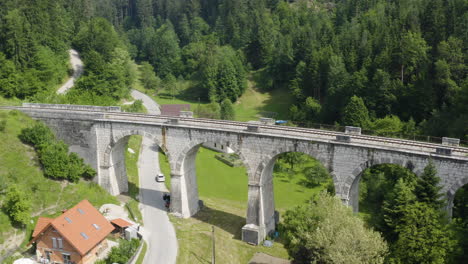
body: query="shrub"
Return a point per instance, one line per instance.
(123, 252)
(53, 155)
(55, 160)
(38, 135)
(17, 205)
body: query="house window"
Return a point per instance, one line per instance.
(54, 242)
(215, 145)
(60, 243)
(66, 259)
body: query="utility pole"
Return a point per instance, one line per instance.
(213, 261)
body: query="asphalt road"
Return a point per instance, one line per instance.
(150, 104)
(77, 66)
(157, 230)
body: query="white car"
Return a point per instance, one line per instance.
(160, 177)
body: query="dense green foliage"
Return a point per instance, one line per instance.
(326, 231)
(404, 59)
(227, 110)
(355, 113)
(408, 210)
(107, 62)
(427, 189)
(122, 253)
(35, 37)
(17, 205)
(53, 155)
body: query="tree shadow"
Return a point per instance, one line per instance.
(230, 223)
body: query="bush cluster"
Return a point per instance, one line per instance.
(122, 253)
(54, 156)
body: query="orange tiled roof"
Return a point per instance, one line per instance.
(82, 226)
(41, 224)
(121, 223)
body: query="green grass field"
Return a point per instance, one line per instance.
(19, 165)
(253, 102)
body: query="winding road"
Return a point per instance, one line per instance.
(158, 231)
(77, 66)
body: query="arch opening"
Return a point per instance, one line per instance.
(214, 185)
(460, 222)
(289, 179)
(378, 189)
(125, 173)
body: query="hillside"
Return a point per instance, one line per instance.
(19, 166)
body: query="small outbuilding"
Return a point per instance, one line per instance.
(120, 225)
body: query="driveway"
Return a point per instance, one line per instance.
(158, 231)
(77, 66)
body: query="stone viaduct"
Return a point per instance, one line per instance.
(100, 134)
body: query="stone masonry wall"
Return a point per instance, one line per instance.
(102, 144)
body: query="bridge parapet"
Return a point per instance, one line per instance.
(453, 142)
(352, 130)
(74, 107)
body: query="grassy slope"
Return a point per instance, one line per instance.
(19, 165)
(253, 102)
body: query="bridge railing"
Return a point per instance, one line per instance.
(399, 135)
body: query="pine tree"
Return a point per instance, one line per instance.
(355, 113)
(395, 207)
(422, 238)
(427, 188)
(227, 111)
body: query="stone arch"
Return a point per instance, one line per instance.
(271, 158)
(452, 190)
(123, 134)
(113, 175)
(197, 143)
(184, 187)
(353, 189)
(261, 211)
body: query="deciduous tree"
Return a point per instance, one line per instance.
(326, 231)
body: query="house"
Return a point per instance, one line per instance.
(78, 236)
(174, 109)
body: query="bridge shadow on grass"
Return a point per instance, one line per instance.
(152, 198)
(230, 223)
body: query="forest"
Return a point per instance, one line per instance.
(388, 66)
(391, 67)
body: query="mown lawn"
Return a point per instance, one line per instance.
(19, 165)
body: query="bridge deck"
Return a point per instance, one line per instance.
(242, 127)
